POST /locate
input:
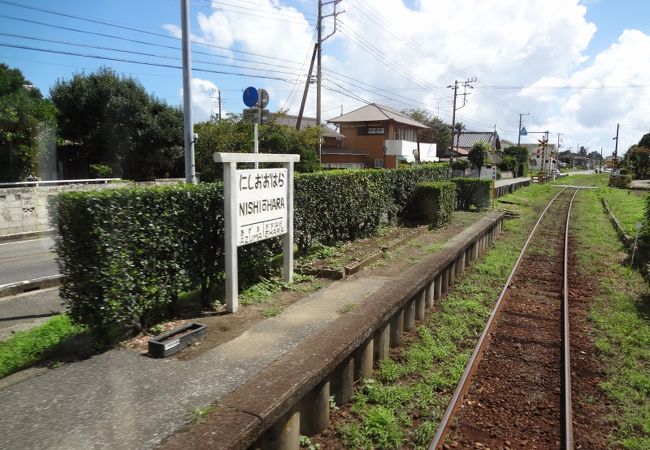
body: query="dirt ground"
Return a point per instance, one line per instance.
(223, 327)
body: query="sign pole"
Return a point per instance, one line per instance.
(230, 243)
(287, 238)
(256, 147)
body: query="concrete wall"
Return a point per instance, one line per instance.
(25, 209)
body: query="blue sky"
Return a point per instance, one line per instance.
(567, 63)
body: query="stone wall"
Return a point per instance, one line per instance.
(25, 209)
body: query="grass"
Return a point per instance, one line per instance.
(271, 311)
(262, 291)
(27, 347)
(405, 402)
(621, 322)
(201, 411)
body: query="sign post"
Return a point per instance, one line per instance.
(258, 205)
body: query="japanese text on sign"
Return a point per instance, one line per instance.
(261, 204)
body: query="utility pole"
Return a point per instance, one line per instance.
(615, 159)
(190, 169)
(453, 127)
(307, 82)
(519, 129)
(467, 83)
(219, 91)
(319, 74)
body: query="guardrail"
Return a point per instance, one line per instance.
(58, 182)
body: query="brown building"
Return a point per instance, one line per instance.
(376, 136)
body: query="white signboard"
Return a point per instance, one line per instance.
(262, 206)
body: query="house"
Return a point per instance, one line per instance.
(376, 136)
(464, 142)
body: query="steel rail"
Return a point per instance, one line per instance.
(474, 360)
(567, 412)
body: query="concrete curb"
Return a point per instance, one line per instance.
(27, 235)
(29, 285)
(627, 240)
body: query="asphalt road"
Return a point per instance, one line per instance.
(26, 260)
(24, 311)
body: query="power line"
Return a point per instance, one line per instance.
(133, 52)
(168, 66)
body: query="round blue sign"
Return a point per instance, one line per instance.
(250, 96)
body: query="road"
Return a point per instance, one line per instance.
(26, 260)
(24, 311)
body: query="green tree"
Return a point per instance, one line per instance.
(520, 155)
(109, 119)
(438, 131)
(637, 160)
(478, 154)
(231, 135)
(27, 124)
(645, 141)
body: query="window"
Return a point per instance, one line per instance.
(374, 131)
(406, 134)
(379, 163)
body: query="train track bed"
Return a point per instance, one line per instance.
(516, 393)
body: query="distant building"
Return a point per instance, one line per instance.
(376, 136)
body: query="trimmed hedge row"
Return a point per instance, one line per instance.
(127, 254)
(473, 192)
(433, 203)
(620, 181)
(345, 205)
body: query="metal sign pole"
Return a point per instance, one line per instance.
(230, 243)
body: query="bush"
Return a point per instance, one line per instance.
(433, 203)
(343, 205)
(128, 254)
(100, 171)
(622, 181)
(460, 164)
(473, 192)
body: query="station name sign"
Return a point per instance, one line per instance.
(261, 210)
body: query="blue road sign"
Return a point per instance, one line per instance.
(250, 96)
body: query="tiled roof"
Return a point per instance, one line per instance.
(376, 113)
(290, 121)
(467, 139)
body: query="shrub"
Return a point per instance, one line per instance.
(622, 181)
(100, 171)
(433, 203)
(460, 164)
(128, 254)
(473, 192)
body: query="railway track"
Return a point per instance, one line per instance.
(516, 389)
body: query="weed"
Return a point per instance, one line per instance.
(347, 308)
(201, 411)
(157, 329)
(271, 311)
(305, 442)
(27, 347)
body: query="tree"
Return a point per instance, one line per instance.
(438, 131)
(478, 154)
(27, 124)
(105, 118)
(231, 135)
(637, 160)
(582, 151)
(520, 157)
(645, 141)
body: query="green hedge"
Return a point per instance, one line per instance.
(433, 203)
(620, 181)
(473, 192)
(128, 254)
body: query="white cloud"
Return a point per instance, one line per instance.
(410, 56)
(204, 99)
